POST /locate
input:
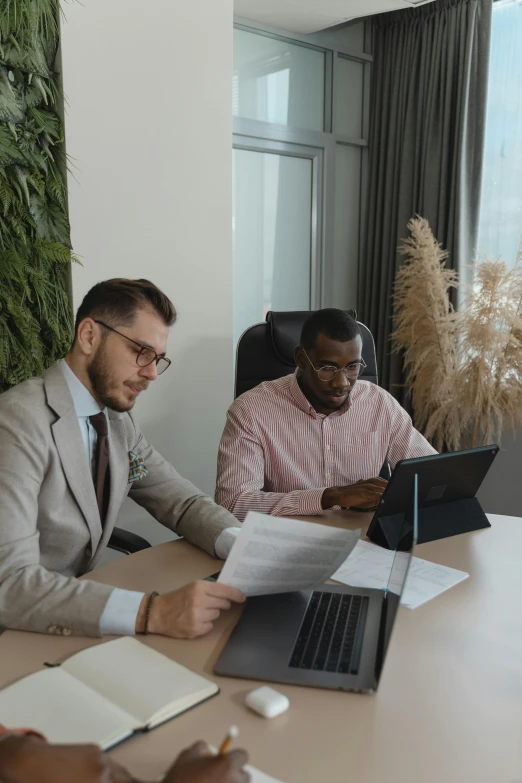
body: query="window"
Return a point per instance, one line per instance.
(300, 106)
(272, 206)
(501, 202)
(268, 72)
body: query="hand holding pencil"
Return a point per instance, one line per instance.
(231, 734)
(195, 765)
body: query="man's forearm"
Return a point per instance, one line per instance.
(330, 498)
(34, 599)
(301, 502)
(142, 614)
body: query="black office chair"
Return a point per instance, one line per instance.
(126, 542)
(266, 351)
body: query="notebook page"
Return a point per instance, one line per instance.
(141, 681)
(64, 710)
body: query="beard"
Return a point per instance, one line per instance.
(104, 383)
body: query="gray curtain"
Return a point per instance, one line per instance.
(429, 89)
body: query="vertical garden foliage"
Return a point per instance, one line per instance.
(35, 248)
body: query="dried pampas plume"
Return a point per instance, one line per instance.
(464, 370)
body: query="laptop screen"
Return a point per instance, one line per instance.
(397, 581)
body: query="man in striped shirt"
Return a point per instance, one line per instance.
(316, 439)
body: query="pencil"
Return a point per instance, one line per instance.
(231, 734)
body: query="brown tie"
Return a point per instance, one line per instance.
(101, 481)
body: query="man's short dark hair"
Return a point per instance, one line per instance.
(117, 301)
(335, 324)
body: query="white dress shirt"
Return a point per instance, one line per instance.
(121, 610)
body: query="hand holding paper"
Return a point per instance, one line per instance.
(280, 555)
(189, 611)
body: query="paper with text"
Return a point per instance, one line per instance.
(256, 775)
(370, 566)
(279, 555)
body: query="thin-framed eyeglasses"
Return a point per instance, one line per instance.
(328, 372)
(145, 355)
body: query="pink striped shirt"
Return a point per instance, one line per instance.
(277, 455)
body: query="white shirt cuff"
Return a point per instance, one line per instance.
(120, 613)
(225, 541)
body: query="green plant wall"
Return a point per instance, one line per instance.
(35, 248)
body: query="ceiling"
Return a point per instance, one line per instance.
(309, 16)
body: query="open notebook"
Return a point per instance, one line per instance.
(104, 694)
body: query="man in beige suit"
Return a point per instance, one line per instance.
(70, 452)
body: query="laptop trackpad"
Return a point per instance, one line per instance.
(270, 622)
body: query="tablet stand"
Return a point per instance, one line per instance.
(439, 521)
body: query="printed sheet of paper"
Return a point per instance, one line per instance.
(370, 566)
(256, 776)
(279, 555)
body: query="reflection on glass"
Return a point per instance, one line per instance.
(346, 226)
(349, 116)
(272, 203)
(350, 37)
(501, 201)
(275, 81)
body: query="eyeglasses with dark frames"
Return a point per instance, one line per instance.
(145, 355)
(328, 373)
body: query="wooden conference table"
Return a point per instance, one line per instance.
(448, 709)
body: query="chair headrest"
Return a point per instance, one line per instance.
(285, 332)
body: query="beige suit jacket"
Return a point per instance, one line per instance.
(50, 528)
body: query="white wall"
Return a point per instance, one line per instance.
(501, 492)
(148, 130)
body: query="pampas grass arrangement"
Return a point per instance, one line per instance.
(464, 369)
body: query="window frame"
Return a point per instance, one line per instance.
(254, 134)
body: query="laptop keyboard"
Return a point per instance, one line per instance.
(331, 633)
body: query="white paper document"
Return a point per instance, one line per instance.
(370, 566)
(256, 776)
(279, 555)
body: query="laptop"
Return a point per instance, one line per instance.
(447, 502)
(331, 637)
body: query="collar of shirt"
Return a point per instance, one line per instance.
(303, 403)
(84, 403)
